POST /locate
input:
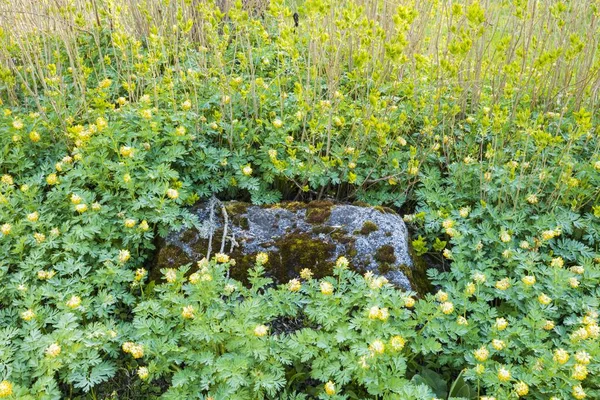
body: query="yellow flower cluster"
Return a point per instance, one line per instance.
(262, 258)
(6, 388)
(188, 312)
(136, 350)
(261, 330)
(326, 288)
(74, 302)
(53, 350)
(379, 313)
(294, 285)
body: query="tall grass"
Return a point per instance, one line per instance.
(539, 52)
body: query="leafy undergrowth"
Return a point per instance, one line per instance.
(112, 125)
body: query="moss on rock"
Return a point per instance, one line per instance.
(368, 227)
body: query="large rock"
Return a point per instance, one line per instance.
(300, 235)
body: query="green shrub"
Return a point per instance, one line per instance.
(114, 122)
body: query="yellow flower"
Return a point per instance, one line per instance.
(186, 105)
(221, 258)
(261, 330)
(580, 372)
(479, 369)
(326, 288)
(384, 314)
(448, 223)
(470, 289)
(573, 282)
(53, 350)
(33, 217)
(378, 282)
(180, 131)
(6, 388)
(170, 275)
(374, 312)
(140, 273)
(127, 346)
(503, 284)
(557, 262)
(39, 237)
(262, 258)
(294, 285)
(52, 179)
(277, 123)
(498, 344)
(188, 312)
(447, 254)
(561, 356)
(144, 225)
(447, 307)
(74, 302)
(342, 263)
(577, 269)
(137, 351)
(578, 392)
(377, 347)
(126, 151)
(146, 114)
(532, 199)
(34, 136)
(479, 277)
(505, 237)
(6, 229)
(528, 280)
(126, 178)
(593, 330)
(548, 325)
(397, 342)
(481, 354)
(124, 256)
(129, 223)
(503, 374)
(28, 315)
(582, 357)
(81, 208)
(75, 199)
(409, 302)
(464, 212)
(306, 274)
(194, 278)
(330, 388)
(143, 373)
(501, 324)
(441, 296)
(462, 320)
(101, 124)
(96, 206)
(544, 299)
(7, 180)
(549, 234)
(17, 124)
(524, 245)
(105, 83)
(247, 170)
(521, 389)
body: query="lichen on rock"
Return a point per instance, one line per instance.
(297, 236)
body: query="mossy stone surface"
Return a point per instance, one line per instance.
(297, 236)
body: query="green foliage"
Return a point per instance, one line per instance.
(211, 334)
(114, 122)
